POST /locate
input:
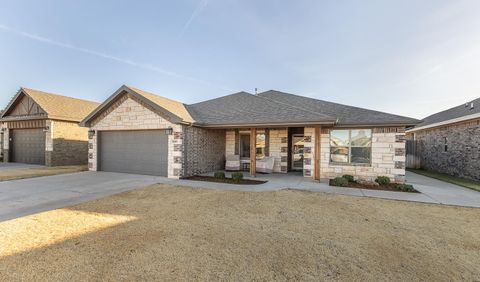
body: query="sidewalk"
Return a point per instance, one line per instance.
(432, 190)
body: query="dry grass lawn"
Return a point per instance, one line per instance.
(175, 233)
(29, 172)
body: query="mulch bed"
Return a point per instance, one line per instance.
(225, 180)
(387, 187)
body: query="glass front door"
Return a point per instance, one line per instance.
(298, 142)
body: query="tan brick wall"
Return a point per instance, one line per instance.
(386, 160)
(128, 114)
(67, 142)
(230, 142)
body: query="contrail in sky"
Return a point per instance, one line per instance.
(109, 57)
(200, 6)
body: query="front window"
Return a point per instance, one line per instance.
(351, 146)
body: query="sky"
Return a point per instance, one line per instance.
(412, 58)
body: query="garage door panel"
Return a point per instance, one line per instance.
(28, 146)
(141, 152)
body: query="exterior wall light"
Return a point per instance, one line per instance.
(169, 131)
(46, 128)
(91, 133)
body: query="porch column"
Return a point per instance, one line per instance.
(317, 155)
(253, 152)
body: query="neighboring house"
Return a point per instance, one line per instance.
(42, 128)
(449, 141)
(139, 132)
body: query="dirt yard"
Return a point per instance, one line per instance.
(29, 172)
(175, 233)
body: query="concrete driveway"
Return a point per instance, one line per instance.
(27, 196)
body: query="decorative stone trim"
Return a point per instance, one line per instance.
(284, 159)
(177, 147)
(399, 151)
(284, 149)
(307, 161)
(178, 135)
(389, 130)
(177, 160)
(400, 138)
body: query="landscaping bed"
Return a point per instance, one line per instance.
(225, 180)
(381, 183)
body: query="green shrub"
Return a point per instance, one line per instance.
(349, 178)
(382, 180)
(340, 181)
(219, 175)
(237, 176)
(405, 188)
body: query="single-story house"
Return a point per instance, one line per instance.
(449, 141)
(43, 128)
(140, 132)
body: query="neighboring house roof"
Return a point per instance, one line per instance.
(172, 110)
(56, 106)
(244, 108)
(455, 114)
(346, 115)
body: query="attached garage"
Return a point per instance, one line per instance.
(28, 146)
(133, 151)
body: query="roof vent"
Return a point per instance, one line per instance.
(471, 106)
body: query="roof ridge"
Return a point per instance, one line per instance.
(305, 110)
(26, 89)
(344, 105)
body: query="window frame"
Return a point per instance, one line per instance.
(349, 146)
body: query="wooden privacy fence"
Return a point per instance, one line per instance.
(413, 156)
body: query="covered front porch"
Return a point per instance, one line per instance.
(294, 150)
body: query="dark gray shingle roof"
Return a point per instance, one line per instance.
(455, 112)
(246, 108)
(347, 115)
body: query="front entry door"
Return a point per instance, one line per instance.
(298, 142)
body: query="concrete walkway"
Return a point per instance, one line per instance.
(27, 196)
(432, 190)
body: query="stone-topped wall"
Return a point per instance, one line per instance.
(129, 114)
(204, 150)
(388, 157)
(462, 157)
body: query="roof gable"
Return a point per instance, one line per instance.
(346, 115)
(30, 102)
(171, 110)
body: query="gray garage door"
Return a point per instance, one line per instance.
(28, 146)
(141, 152)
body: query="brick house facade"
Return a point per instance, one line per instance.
(200, 136)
